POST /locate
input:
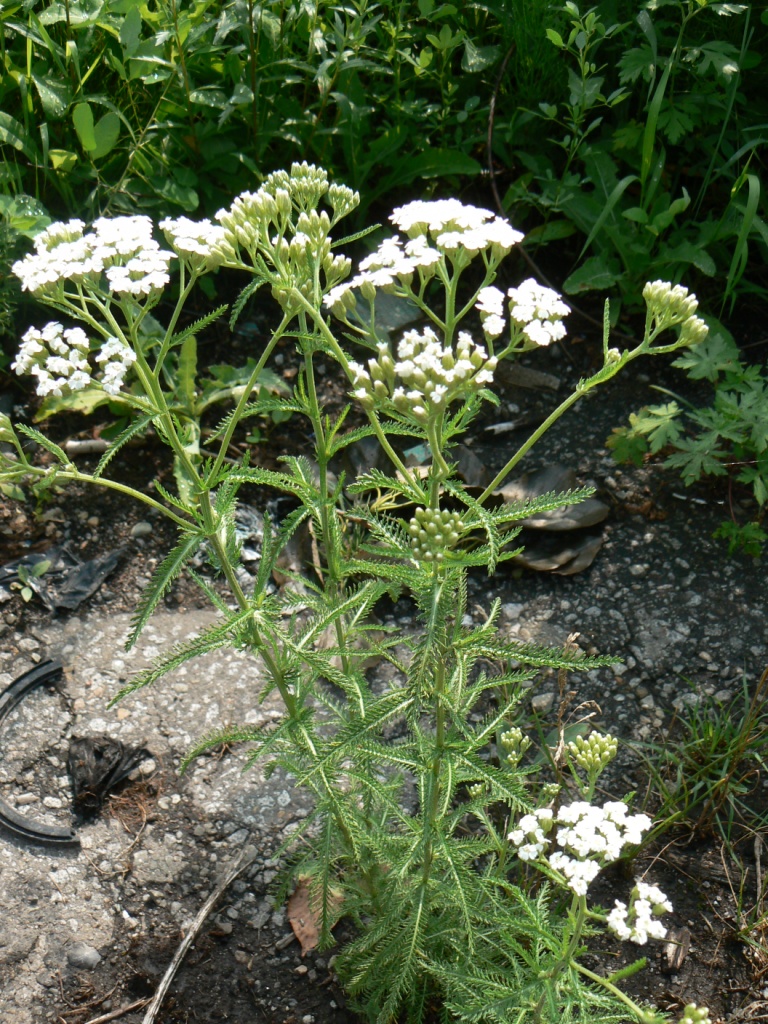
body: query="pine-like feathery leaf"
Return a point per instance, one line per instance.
(198, 325)
(130, 431)
(44, 442)
(220, 737)
(212, 639)
(249, 290)
(163, 577)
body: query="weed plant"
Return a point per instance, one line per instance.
(709, 774)
(475, 902)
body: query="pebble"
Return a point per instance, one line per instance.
(141, 529)
(542, 702)
(26, 798)
(81, 955)
(53, 802)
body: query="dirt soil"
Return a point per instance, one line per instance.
(85, 933)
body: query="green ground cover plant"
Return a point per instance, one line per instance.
(463, 863)
(727, 439)
(653, 153)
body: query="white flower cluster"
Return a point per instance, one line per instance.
(199, 243)
(540, 310)
(432, 374)
(589, 837)
(435, 229)
(672, 304)
(530, 836)
(639, 922)
(121, 248)
(58, 358)
(115, 357)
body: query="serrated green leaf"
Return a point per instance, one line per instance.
(163, 577)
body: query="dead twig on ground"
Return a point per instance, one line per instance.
(139, 1004)
(242, 862)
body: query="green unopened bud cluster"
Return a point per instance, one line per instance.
(693, 1014)
(515, 744)
(286, 251)
(594, 753)
(670, 305)
(433, 374)
(433, 532)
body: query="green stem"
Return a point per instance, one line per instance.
(344, 362)
(642, 1016)
(243, 401)
(521, 451)
(113, 485)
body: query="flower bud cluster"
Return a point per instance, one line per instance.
(58, 358)
(121, 248)
(432, 374)
(433, 532)
(262, 224)
(515, 744)
(639, 922)
(539, 310)
(588, 837)
(594, 753)
(670, 305)
(693, 1014)
(203, 246)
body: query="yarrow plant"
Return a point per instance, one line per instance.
(440, 895)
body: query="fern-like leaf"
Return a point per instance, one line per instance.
(44, 442)
(163, 577)
(123, 438)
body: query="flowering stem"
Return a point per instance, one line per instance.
(642, 1016)
(344, 362)
(113, 485)
(243, 400)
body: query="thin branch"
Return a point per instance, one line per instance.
(242, 862)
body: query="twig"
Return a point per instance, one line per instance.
(139, 1004)
(240, 865)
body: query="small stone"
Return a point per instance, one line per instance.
(302, 969)
(53, 802)
(81, 955)
(308, 1018)
(638, 569)
(93, 521)
(511, 611)
(26, 798)
(542, 702)
(141, 529)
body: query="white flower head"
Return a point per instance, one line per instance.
(539, 310)
(199, 243)
(56, 357)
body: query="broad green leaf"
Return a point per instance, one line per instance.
(188, 370)
(130, 32)
(478, 58)
(432, 163)
(552, 231)
(82, 118)
(84, 401)
(62, 160)
(180, 195)
(556, 38)
(595, 274)
(54, 95)
(649, 135)
(14, 134)
(106, 132)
